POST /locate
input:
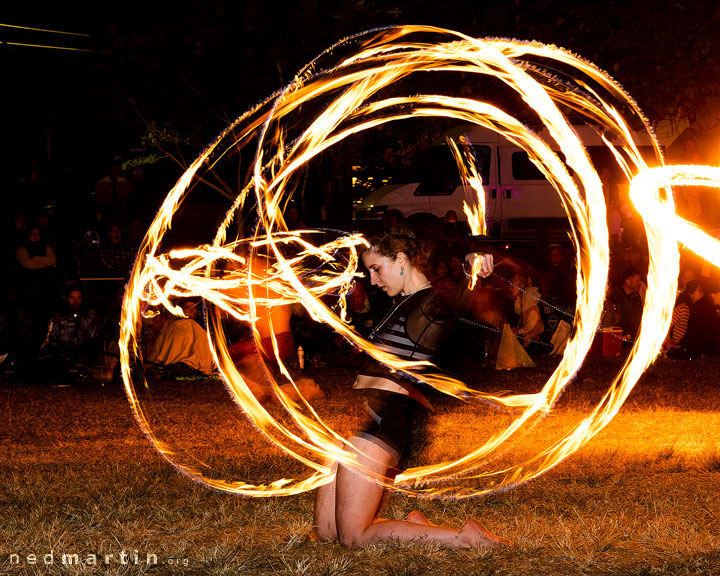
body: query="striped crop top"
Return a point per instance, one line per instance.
(414, 329)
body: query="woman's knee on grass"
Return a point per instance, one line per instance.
(325, 532)
(351, 535)
(324, 520)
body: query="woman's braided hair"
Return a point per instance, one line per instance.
(396, 239)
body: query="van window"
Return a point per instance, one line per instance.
(523, 168)
(438, 174)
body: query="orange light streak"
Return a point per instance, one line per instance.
(350, 89)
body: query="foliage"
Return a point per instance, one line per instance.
(197, 65)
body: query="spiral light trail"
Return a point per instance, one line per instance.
(344, 87)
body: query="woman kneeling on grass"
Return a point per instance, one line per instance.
(414, 328)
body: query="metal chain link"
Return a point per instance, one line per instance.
(549, 305)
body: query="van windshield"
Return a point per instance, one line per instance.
(437, 172)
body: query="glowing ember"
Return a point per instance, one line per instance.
(347, 91)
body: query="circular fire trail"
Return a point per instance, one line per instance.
(345, 89)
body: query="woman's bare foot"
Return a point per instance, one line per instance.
(417, 517)
(473, 534)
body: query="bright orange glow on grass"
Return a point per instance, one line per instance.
(344, 89)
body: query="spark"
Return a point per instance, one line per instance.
(345, 84)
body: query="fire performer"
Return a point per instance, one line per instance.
(414, 329)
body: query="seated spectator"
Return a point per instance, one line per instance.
(702, 337)
(71, 350)
(36, 285)
(75, 329)
(35, 254)
(558, 279)
(681, 313)
(530, 324)
(183, 341)
(440, 275)
(628, 297)
(116, 256)
(629, 258)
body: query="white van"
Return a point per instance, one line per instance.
(519, 202)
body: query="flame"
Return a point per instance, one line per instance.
(345, 84)
(472, 182)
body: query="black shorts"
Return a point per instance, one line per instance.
(392, 421)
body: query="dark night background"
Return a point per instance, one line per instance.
(192, 65)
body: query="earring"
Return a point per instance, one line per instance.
(402, 271)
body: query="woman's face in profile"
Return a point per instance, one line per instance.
(384, 272)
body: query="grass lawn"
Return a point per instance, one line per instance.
(79, 478)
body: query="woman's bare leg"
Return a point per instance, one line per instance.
(324, 521)
(470, 526)
(357, 500)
